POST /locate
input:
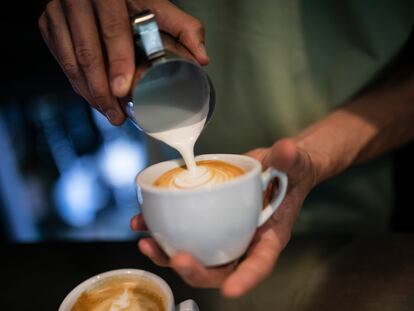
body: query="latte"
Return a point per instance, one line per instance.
(206, 173)
(126, 293)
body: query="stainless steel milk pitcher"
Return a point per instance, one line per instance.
(170, 89)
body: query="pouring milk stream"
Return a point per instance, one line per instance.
(183, 140)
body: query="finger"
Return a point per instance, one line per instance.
(116, 34)
(44, 31)
(134, 223)
(89, 56)
(282, 155)
(59, 36)
(195, 274)
(150, 248)
(186, 29)
(176, 22)
(138, 224)
(256, 267)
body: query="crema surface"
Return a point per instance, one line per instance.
(207, 173)
(122, 293)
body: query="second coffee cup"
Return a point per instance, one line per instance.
(214, 223)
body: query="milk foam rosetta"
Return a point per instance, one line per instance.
(207, 172)
(127, 293)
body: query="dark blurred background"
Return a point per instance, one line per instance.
(65, 172)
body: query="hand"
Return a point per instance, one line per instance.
(270, 239)
(92, 42)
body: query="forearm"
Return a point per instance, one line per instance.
(364, 128)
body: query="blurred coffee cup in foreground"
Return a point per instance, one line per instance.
(126, 290)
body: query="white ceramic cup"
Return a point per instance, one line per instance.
(187, 305)
(215, 224)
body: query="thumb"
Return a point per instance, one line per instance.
(188, 30)
(286, 156)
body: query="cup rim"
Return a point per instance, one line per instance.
(219, 156)
(81, 287)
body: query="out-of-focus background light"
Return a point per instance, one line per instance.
(79, 195)
(65, 171)
(120, 160)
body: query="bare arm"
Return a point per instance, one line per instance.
(362, 129)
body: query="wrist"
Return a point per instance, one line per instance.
(335, 142)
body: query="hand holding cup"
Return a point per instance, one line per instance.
(268, 241)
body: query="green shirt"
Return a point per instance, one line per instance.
(279, 66)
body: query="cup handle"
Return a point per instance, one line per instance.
(187, 305)
(267, 177)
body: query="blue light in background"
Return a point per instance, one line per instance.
(120, 160)
(79, 195)
(89, 165)
(109, 172)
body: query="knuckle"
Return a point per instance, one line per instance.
(118, 62)
(70, 3)
(87, 58)
(197, 26)
(70, 69)
(113, 28)
(195, 283)
(99, 95)
(193, 28)
(42, 23)
(51, 6)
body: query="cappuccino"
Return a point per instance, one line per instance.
(126, 293)
(206, 173)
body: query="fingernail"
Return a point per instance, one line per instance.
(112, 115)
(119, 85)
(184, 271)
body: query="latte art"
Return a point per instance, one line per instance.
(207, 172)
(126, 293)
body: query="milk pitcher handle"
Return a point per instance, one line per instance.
(145, 27)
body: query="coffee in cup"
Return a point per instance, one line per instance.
(207, 173)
